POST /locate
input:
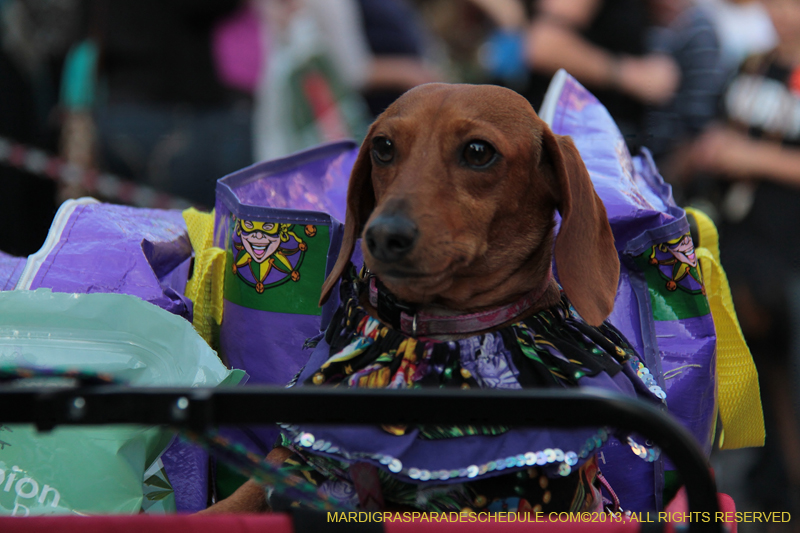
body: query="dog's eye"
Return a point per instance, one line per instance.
(479, 154)
(383, 149)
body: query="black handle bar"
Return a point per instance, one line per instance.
(201, 408)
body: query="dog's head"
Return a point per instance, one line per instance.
(453, 194)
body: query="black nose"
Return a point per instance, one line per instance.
(390, 237)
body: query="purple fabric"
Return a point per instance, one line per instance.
(300, 185)
(109, 248)
(634, 480)
(629, 323)
(635, 196)
(370, 443)
(319, 185)
(187, 468)
(688, 366)
(269, 346)
(10, 270)
(174, 285)
(309, 187)
(177, 277)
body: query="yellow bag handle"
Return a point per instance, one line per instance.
(737, 380)
(205, 287)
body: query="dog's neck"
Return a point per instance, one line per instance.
(442, 323)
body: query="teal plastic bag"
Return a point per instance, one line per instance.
(93, 470)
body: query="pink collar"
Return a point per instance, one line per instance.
(404, 316)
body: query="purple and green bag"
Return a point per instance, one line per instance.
(279, 224)
(661, 305)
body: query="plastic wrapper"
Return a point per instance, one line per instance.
(10, 270)
(99, 469)
(95, 247)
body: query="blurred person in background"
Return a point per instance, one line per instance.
(601, 43)
(319, 62)
(163, 117)
(754, 159)
(316, 59)
(400, 45)
(744, 29)
(685, 31)
(34, 37)
(464, 30)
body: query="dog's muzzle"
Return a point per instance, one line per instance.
(391, 237)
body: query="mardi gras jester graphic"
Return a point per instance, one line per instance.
(680, 261)
(267, 254)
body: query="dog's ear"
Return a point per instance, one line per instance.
(586, 259)
(360, 203)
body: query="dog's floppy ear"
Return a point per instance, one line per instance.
(360, 203)
(586, 259)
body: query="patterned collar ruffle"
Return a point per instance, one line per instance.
(552, 348)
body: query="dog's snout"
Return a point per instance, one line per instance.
(391, 237)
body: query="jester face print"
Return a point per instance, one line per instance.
(677, 264)
(274, 265)
(267, 254)
(260, 239)
(683, 251)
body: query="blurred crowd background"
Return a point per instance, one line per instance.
(174, 94)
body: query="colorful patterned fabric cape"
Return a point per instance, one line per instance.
(447, 468)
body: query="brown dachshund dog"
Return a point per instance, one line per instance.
(454, 192)
(453, 195)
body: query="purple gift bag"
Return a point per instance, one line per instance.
(661, 305)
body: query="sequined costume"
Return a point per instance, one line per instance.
(449, 468)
